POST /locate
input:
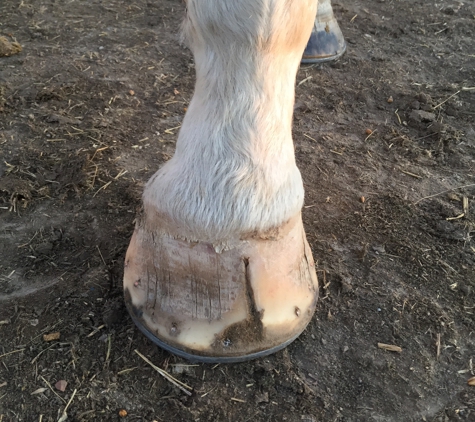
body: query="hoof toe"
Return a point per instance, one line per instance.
(229, 306)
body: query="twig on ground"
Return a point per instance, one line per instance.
(411, 174)
(205, 394)
(103, 260)
(39, 354)
(98, 150)
(438, 345)
(465, 205)
(447, 99)
(11, 353)
(108, 353)
(390, 347)
(371, 134)
(305, 80)
(96, 330)
(182, 386)
(51, 388)
(127, 370)
(102, 188)
(64, 416)
(398, 118)
(445, 191)
(458, 217)
(309, 137)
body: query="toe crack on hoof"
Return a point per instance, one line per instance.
(249, 331)
(255, 316)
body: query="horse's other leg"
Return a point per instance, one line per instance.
(326, 42)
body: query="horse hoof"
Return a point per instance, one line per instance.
(326, 42)
(249, 300)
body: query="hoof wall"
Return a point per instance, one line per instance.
(242, 303)
(196, 358)
(326, 42)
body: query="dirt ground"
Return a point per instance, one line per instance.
(89, 110)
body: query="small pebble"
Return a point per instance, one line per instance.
(51, 336)
(61, 385)
(390, 99)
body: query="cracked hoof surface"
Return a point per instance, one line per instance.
(247, 301)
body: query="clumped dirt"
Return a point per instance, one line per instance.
(385, 139)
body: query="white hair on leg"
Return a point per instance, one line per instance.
(234, 168)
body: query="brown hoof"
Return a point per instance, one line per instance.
(247, 301)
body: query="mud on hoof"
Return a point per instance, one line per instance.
(245, 302)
